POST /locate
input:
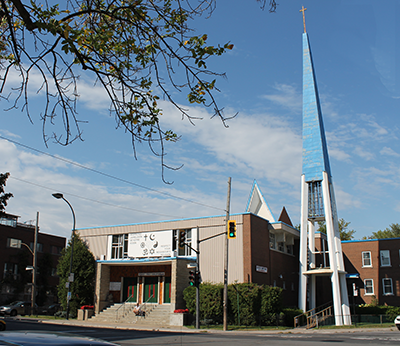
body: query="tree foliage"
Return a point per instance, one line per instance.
(4, 197)
(83, 267)
(393, 231)
(345, 233)
(137, 50)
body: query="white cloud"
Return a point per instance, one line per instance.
(363, 153)
(93, 96)
(287, 96)
(389, 152)
(35, 177)
(339, 154)
(346, 200)
(260, 145)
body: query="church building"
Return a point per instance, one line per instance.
(143, 262)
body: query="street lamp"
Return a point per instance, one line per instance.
(71, 275)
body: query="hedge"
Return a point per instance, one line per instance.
(252, 304)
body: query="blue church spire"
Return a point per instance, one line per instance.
(315, 151)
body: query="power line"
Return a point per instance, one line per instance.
(93, 200)
(109, 175)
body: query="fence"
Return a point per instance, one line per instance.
(359, 320)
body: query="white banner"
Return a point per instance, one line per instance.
(150, 244)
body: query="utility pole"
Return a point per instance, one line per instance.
(33, 297)
(228, 202)
(198, 284)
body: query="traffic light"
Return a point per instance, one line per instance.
(232, 229)
(197, 279)
(182, 239)
(192, 277)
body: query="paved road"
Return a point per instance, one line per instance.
(125, 337)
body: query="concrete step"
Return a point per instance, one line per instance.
(155, 314)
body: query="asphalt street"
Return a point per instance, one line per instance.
(124, 335)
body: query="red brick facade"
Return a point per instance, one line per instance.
(378, 264)
(14, 260)
(282, 268)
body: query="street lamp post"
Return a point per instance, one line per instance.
(71, 275)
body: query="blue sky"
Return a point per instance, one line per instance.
(355, 51)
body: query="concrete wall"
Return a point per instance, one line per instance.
(179, 281)
(101, 287)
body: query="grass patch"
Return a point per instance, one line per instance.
(47, 317)
(266, 328)
(233, 327)
(360, 325)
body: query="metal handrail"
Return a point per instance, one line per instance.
(123, 308)
(144, 304)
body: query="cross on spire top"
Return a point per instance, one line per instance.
(304, 17)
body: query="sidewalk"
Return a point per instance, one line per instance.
(183, 329)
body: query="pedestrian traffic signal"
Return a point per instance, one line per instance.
(182, 239)
(192, 277)
(232, 229)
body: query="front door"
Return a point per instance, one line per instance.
(151, 289)
(167, 289)
(130, 289)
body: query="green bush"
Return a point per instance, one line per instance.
(253, 304)
(290, 314)
(189, 295)
(271, 304)
(249, 298)
(211, 302)
(368, 309)
(392, 312)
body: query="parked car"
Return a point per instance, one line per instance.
(397, 322)
(43, 338)
(2, 325)
(16, 308)
(50, 309)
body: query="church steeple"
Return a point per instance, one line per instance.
(315, 152)
(318, 203)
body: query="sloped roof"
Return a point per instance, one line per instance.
(284, 217)
(257, 204)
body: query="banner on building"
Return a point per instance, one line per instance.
(150, 244)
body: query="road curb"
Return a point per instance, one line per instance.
(184, 329)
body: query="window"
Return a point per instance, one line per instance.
(284, 285)
(281, 246)
(11, 270)
(54, 272)
(119, 246)
(272, 241)
(387, 286)
(274, 283)
(292, 286)
(39, 247)
(8, 222)
(368, 286)
(385, 258)
(56, 250)
(366, 259)
(14, 243)
(186, 251)
(289, 249)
